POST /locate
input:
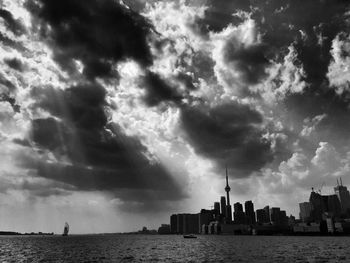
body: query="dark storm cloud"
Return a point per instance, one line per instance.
(218, 15)
(334, 128)
(229, 135)
(15, 64)
(36, 188)
(102, 157)
(159, 90)
(14, 25)
(250, 60)
(285, 22)
(309, 25)
(97, 32)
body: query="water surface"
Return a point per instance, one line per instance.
(142, 248)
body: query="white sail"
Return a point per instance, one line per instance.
(66, 229)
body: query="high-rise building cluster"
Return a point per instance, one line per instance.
(330, 212)
(322, 214)
(222, 220)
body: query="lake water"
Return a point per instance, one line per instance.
(141, 248)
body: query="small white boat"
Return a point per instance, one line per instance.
(66, 229)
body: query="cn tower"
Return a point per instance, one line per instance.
(228, 206)
(227, 189)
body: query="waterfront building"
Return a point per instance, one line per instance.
(173, 224)
(205, 217)
(305, 211)
(187, 224)
(249, 212)
(180, 220)
(192, 224)
(343, 196)
(164, 229)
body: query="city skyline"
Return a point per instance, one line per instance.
(115, 114)
(320, 215)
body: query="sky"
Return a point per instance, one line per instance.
(116, 114)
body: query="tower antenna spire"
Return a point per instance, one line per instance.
(341, 182)
(226, 176)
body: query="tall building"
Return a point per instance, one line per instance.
(343, 196)
(318, 206)
(333, 206)
(305, 211)
(260, 216)
(228, 206)
(192, 224)
(275, 213)
(217, 208)
(249, 212)
(239, 215)
(238, 207)
(173, 224)
(223, 205)
(187, 224)
(205, 217)
(180, 220)
(267, 213)
(283, 218)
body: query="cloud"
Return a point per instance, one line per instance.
(339, 70)
(12, 24)
(91, 153)
(220, 13)
(229, 134)
(240, 60)
(159, 90)
(97, 33)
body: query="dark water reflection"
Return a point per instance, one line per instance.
(139, 248)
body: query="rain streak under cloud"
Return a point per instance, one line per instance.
(122, 113)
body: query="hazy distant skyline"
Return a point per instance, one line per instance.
(114, 115)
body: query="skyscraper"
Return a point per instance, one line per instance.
(260, 216)
(305, 211)
(239, 215)
(228, 206)
(343, 196)
(249, 211)
(173, 224)
(318, 206)
(333, 206)
(238, 207)
(217, 208)
(267, 213)
(223, 205)
(275, 215)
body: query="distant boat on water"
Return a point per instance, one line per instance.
(66, 229)
(190, 236)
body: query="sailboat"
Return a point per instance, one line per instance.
(66, 229)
